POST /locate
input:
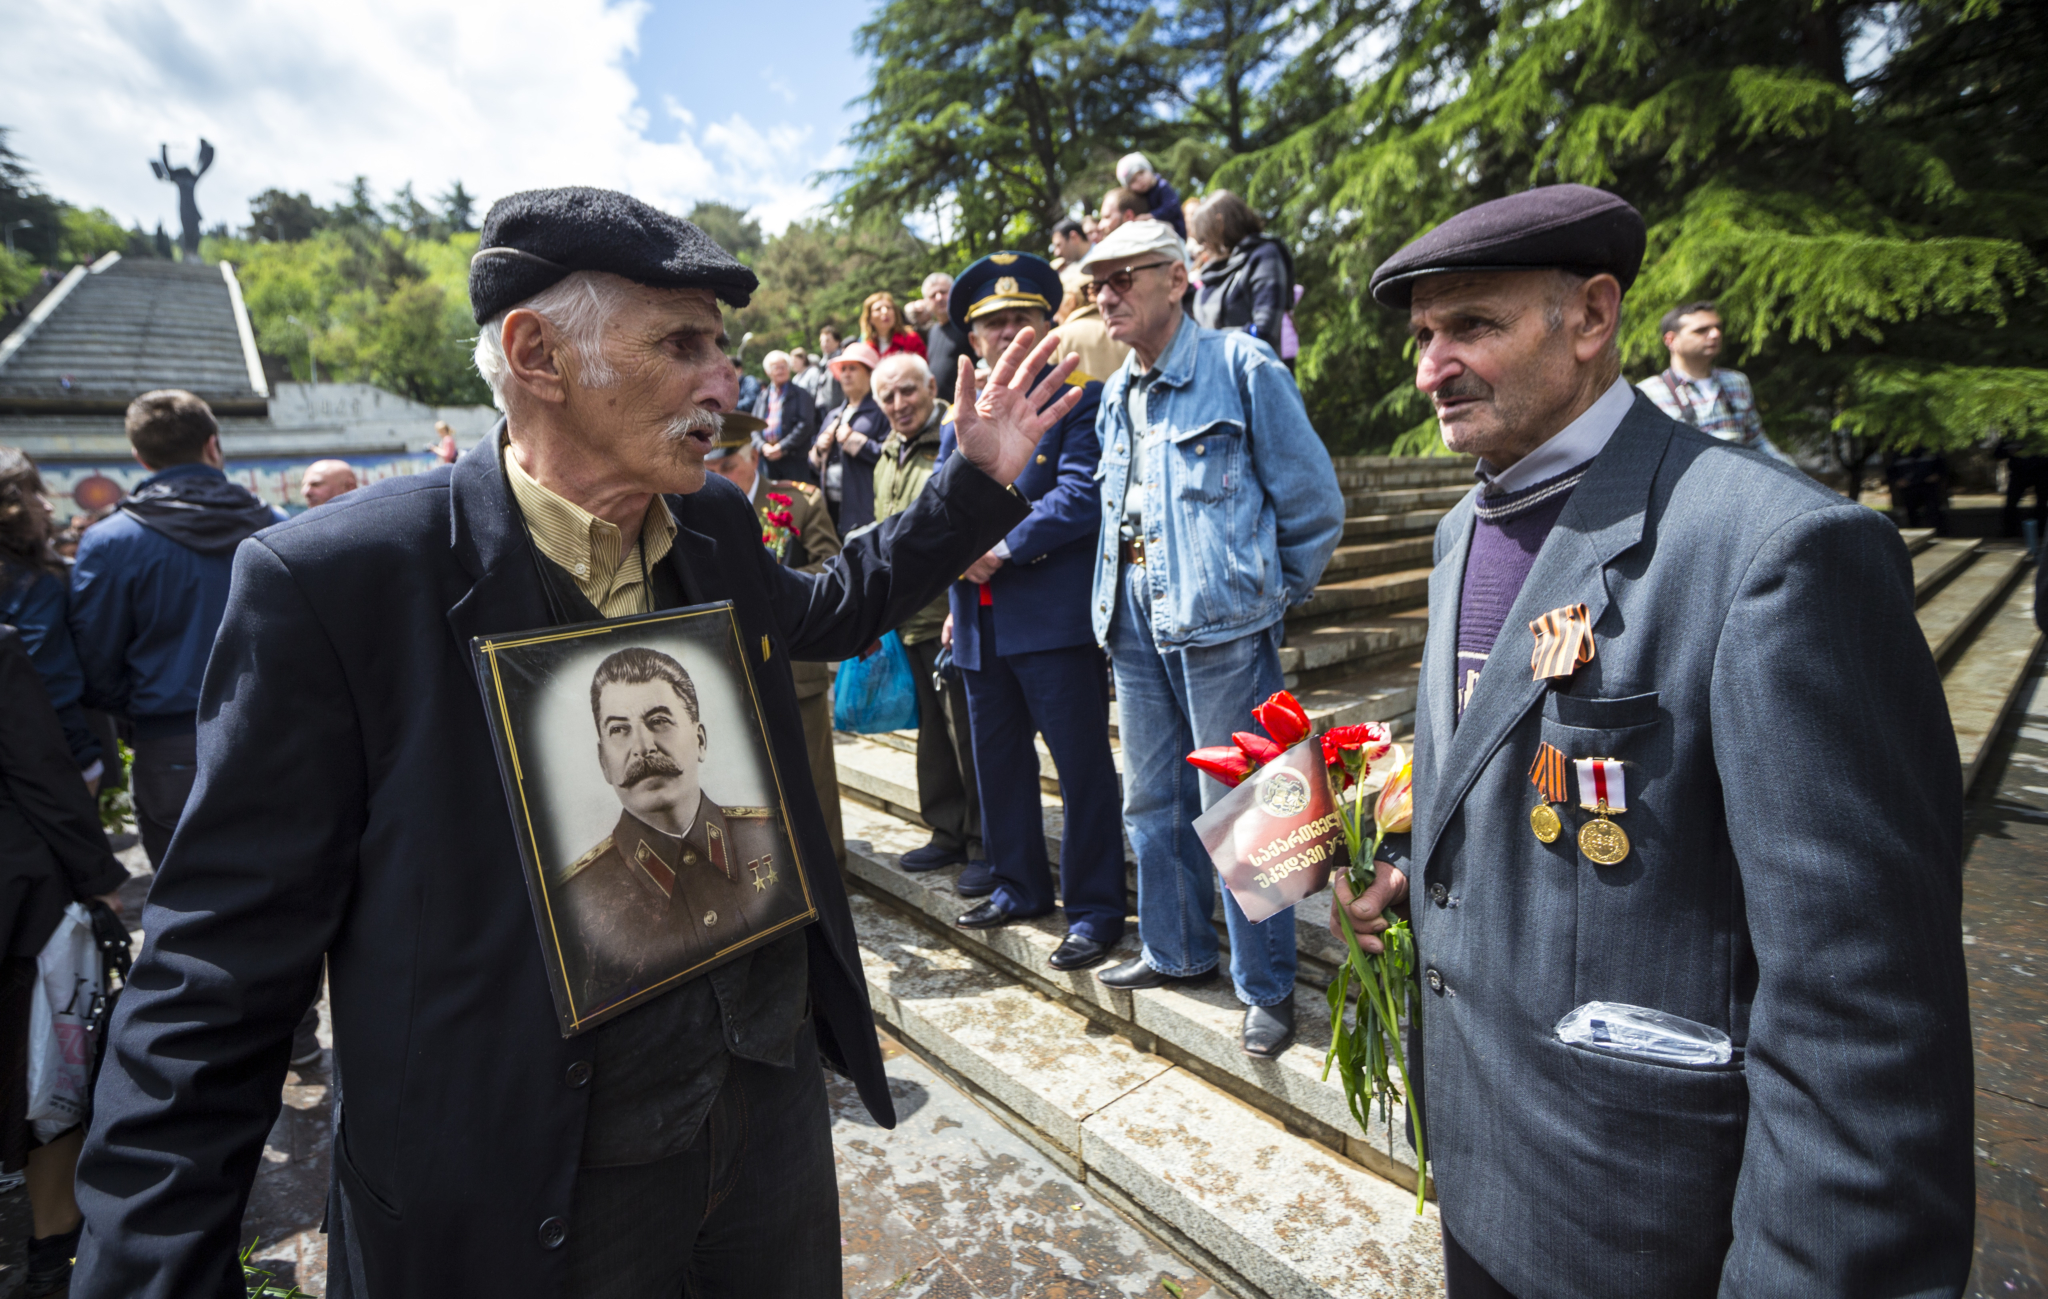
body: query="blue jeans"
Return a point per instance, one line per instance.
(1172, 702)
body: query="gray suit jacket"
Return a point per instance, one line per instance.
(1795, 809)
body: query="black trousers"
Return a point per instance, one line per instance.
(946, 796)
(749, 1211)
(2025, 474)
(161, 780)
(1464, 1278)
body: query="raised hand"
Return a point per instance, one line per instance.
(998, 429)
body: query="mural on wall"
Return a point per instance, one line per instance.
(94, 487)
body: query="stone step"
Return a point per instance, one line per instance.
(1218, 1179)
(1916, 539)
(1403, 499)
(1948, 617)
(1415, 474)
(1357, 560)
(1378, 591)
(1938, 561)
(1369, 527)
(1985, 678)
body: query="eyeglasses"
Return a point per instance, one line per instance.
(1121, 280)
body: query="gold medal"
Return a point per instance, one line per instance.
(1543, 820)
(1603, 842)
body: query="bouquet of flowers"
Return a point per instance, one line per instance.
(1386, 982)
(778, 525)
(1366, 769)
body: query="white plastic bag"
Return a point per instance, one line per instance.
(59, 1035)
(1644, 1034)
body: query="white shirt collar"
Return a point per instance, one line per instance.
(1574, 444)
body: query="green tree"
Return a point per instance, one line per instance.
(988, 118)
(21, 199)
(458, 209)
(18, 276)
(279, 217)
(816, 273)
(90, 235)
(730, 228)
(1874, 239)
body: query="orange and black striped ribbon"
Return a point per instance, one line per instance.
(1547, 773)
(1564, 639)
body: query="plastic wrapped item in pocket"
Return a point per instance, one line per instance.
(1640, 1033)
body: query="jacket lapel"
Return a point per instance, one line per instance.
(489, 541)
(1603, 519)
(1436, 699)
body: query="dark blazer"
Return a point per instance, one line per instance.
(946, 344)
(799, 427)
(52, 850)
(348, 807)
(1795, 807)
(857, 477)
(1041, 594)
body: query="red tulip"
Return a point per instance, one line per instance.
(1223, 761)
(1256, 747)
(1284, 719)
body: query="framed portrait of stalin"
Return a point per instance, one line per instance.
(646, 801)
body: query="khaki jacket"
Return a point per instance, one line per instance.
(905, 466)
(1086, 335)
(814, 545)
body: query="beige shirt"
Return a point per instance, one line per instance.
(1085, 335)
(589, 547)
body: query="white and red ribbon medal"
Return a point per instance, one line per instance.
(1603, 791)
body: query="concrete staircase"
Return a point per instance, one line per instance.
(1255, 1170)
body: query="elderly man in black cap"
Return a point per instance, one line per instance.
(1686, 848)
(349, 810)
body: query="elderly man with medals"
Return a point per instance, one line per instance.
(349, 812)
(1686, 861)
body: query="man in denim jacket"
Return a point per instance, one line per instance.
(1219, 509)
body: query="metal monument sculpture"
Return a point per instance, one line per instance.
(186, 180)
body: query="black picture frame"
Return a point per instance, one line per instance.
(679, 886)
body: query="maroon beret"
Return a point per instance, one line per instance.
(1553, 227)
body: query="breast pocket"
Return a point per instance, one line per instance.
(1208, 461)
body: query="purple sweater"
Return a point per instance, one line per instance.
(1507, 533)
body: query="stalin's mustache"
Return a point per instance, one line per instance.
(647, 766)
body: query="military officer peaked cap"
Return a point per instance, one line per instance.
(1554, 227)
(538, 238)
(1003, 280)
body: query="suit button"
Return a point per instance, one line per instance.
(553, 1232)
(710, 918)
(1435, 980)
(1041, 460)
(1439, 895)
(1202, 450)
(579, 1073)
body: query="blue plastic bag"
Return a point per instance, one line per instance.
(875, 694)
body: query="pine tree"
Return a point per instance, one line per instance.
(1874, 235)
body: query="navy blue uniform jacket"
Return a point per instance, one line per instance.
(1041, 594)
(348, 806)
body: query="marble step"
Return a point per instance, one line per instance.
(1333, 642)
(1219, 1179)
(1403, 499)
(1938, 561)
(1949, 615)
(1389, 590)
(1366, 527)
(1444, 474)
(1985, 678)
(1916, 539)
(1378, 556)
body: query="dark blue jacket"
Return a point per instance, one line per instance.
(1040, 594)
(349, 813)
(33, 602)
(144, 608)
(1164, 201)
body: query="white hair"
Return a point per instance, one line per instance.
(775, 356)
(575, 308)
(936, 277)
(1131, 164)
(910, 361)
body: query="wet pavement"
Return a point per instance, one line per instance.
(2005, 936)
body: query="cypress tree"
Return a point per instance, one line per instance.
(1860, 186)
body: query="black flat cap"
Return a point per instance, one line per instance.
(1553, 227)
(538, 238)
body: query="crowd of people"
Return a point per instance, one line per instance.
(1047, 476)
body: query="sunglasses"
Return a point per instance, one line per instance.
(1121, 280)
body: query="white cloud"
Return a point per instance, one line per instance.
(511, 95)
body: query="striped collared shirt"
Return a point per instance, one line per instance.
(588, 548)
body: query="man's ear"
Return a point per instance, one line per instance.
(212, 454)
(703, 742)
(1599, 316)
(533, 356)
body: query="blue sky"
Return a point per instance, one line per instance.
(672, 102)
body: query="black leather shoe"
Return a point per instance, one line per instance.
(930, 858)
(1268, 1030)
(1137, 974)
(989, 915)
(1078, 952)
(977, 881)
